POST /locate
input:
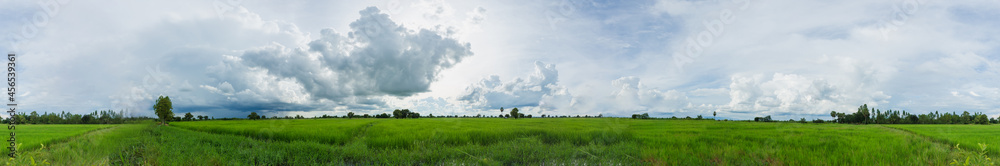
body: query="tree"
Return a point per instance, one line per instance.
(803, 120)
(253, 116)
(981, 119)
(33, 117)
(405, 113)
(350, 115)
(514, 113)
(966, 119)
(188, 117)
(396, 114)
(163, 108)
(89, 118)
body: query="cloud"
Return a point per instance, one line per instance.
(540, 90)
(376, 58)
(631, 95)
(676, 7)
(791, 93)
(476, 19)
(476, 16)
(435, 9)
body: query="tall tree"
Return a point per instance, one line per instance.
(514, 113)
(188, 116)
(253, 116)
(164, 109)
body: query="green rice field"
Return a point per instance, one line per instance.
(967, 136)
(32, 137)
(475, 141)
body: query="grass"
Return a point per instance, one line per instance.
(451, 141)
(682, 142)
(653, 141)
(147, 144)
(967, 136)
(333, 131)
(406, 133)
(30, 137)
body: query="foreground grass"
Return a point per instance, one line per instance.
(31, 137)
(605, 141)
(332, 131)
(740, 143)
(967, 136)
(147, 144)
(442, 141)
(656, 141)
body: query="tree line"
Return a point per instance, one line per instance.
(864, 115)
(407, 114)
(646, 116)
(96, 117)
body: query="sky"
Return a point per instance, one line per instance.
(737, 58)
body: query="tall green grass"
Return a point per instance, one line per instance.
(456, 141)
(408, 132)
(333, 131)
(967, 136)
(161, 145)
(741, 143)
(30, 137)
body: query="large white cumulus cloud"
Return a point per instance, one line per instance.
(376, 58)
(540, 90)
(632, 96)
(795, 94)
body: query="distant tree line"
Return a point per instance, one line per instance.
(407, 114)
(864, 115)
(640, 116)
(96, 117)
(763, 119)
(646, 116)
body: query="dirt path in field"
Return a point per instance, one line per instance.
(362, 132)
(928, 138)
(942, 142)
(48, 144)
